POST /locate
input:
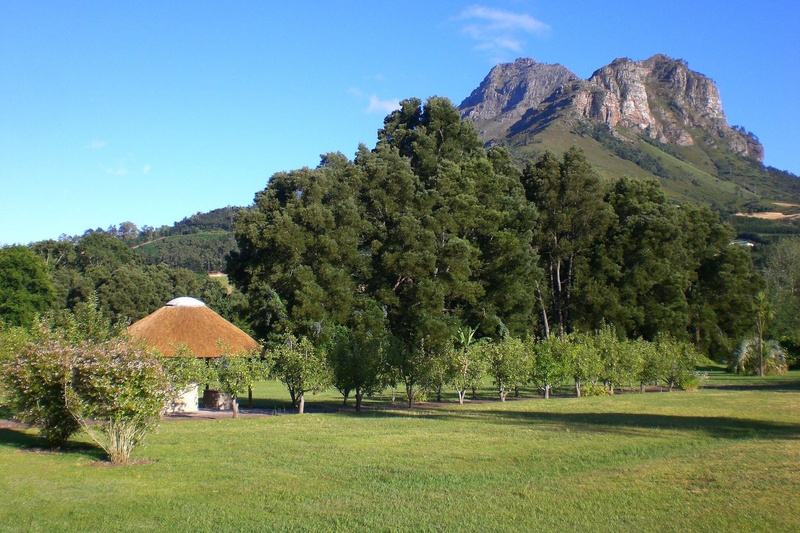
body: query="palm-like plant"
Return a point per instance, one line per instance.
(747, 358)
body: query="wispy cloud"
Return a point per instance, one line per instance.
(116, 171)
(376, 105)
(146, 169)
(499, 32)
(96, 144)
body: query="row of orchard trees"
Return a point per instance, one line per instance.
(430, 231)
(598, 363)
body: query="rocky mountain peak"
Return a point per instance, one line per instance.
(511, 89)
(659, 97)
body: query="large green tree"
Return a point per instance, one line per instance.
(640, 271)
(428, 227)
(301, 253)
(25, 288)
(568, 195)
(451, 228)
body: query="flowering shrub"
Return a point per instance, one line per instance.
(35, 379)
(123, 388)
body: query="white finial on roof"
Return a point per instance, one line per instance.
(185, 301)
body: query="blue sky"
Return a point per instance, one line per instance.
(152, 111)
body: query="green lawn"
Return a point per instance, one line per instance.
(720, 459)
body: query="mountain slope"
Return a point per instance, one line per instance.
(647, 119)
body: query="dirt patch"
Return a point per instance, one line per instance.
(12, 424)
(769, 215)
(132, 462)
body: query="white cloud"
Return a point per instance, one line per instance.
(376, 105)
(355, 91)
(116, 171)
(96, 144)
(499, 32)
(146, 169)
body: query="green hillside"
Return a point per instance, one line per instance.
(199, 243)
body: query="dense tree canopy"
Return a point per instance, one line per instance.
(430, 232)
(25, 288)
(428, 226)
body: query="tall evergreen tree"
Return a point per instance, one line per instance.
(568, 195)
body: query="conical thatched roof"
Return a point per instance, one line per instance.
(188, 321)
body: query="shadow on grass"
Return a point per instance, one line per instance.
(25, 440)
(718, 427)
(775, 386)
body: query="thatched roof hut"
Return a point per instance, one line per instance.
(188, 321)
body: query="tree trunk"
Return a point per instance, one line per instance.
(461, 394)
(235, 406)
(516, 391)
(249, 396)
(544, 311)
(301, 401)
(345, 395)
(547, 391)
(578, 387)
(410, 393)
(359, 397)
(641, 387)
(559, 304)
(394, 393)
(474, 393)
(439, 394)
(502, 394)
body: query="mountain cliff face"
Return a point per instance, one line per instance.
(659, 98)
(651, 119)
(512, 89)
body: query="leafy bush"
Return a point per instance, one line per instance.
(594, 389)
(120, 388)
(34, 382)
(691, 381)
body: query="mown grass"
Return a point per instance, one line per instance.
(714, 460)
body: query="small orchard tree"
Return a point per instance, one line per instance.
(116, 393)
(443, 368)
(184, 368)
(585, 364)
(237, 372)
(654, 362)
(679, 359)
(409, 364)
(549, 361)
(357, 362)
(469, 359)
(302, 368)
(507, 363)
(34, 380)
(620, 359)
